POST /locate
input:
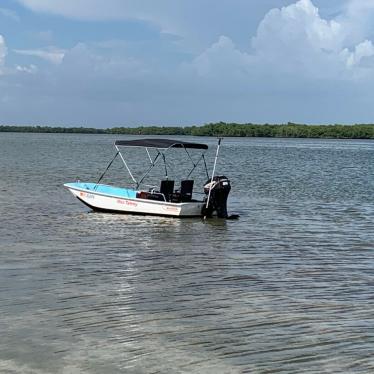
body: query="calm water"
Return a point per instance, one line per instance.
(288, 288)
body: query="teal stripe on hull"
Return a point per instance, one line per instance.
(104, 189)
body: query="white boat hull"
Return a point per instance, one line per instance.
(127, 205)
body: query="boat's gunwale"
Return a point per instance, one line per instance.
(68, 186)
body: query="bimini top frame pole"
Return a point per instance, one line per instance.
(158, 144)
(153, 164)
(214, 170)
(124, 162)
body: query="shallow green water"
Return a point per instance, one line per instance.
(286, 289)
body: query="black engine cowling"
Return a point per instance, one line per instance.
(220, 189)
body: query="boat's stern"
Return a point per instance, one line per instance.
(217, 192)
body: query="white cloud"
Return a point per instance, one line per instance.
(3, 52)
(31, 69)
(51, 54)
(196, 23)
(84, 58)
(221, 57)
(298, 60)
(294, 40)
(210, 19)
(359, 8)
(177, 18)
(18, 68)
(361, 52)
(81, 9)
(356, 18)
(101, 10)
(297, 38)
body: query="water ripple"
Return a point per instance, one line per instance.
(286, 289)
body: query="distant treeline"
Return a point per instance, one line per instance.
(289, 130)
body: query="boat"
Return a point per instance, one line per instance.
(165, 200)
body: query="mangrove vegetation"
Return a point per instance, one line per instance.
(289, 130)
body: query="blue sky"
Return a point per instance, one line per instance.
(134, 62)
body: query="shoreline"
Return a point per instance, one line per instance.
(221, 129)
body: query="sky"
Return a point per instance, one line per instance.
(113, 63)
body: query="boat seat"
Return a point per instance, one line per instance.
(167, 188)
(155, 196)
(186, 190)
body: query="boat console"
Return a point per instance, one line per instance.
(167, 192)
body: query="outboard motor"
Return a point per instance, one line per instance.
(220, 190)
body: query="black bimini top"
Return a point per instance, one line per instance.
(159, 143)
